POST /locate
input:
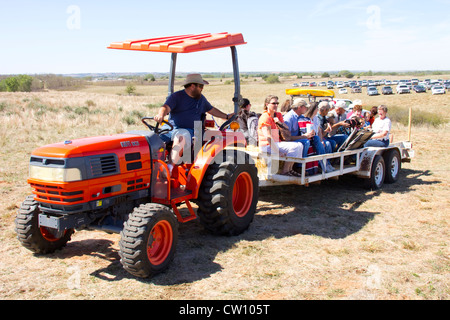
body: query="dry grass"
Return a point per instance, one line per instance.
(329, 241)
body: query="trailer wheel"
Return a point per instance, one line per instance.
(377, 174)
(393, 166)
(228, 196)
(148, 240)
(37, 239)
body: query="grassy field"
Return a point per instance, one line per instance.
(333, 241)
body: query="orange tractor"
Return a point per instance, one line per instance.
(121, 183)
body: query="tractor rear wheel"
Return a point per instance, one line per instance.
(148, 240)
(228, 196)
(37, 239)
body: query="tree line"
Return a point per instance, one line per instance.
(27, 83)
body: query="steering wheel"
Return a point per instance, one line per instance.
(227, 123)
(156, 128)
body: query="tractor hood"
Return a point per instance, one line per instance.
(89, 146)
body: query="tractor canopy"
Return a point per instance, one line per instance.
(182, 44)
(186, 44)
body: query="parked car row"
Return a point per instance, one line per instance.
(436, 89)
(438, 86)
(427, 83)
(400, 89)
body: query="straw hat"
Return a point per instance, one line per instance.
(194, 78)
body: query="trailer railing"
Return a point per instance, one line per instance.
(356, 162)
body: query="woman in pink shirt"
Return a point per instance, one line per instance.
(269, 137)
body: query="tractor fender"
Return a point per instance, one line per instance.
(216, 142)
(367, 158)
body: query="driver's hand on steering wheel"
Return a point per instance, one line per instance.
(229, 115)
(158, 118)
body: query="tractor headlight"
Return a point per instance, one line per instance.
(55, 174)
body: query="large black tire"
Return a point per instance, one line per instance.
(228, 196)
(393, 166)
(377, 174)
(37, 239)
(148, 240)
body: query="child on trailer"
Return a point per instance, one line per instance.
(367, 123)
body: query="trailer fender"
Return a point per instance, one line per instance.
(367, 158)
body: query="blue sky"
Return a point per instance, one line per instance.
(71, 36)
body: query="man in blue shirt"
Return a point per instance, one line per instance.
(292, 118)
(298, 108)
(184, 107)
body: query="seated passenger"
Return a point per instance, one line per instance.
(285, 107)
(339, 127)
(367, 123)
(248, 122)
(269, 139)
(312, 114)
(325, 127)
(381, 126)
(295, 120)
(338, 112)
(291, 119)
(373, 113)
(357, 110)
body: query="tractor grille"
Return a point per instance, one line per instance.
(55, 193)
(105, 165)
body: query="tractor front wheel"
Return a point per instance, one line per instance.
(33, 237)
(148, 240)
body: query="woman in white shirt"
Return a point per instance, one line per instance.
(381, 126)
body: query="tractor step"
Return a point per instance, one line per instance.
(177, 197)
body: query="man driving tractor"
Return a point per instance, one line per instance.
(184, 107)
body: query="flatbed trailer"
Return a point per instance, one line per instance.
(376, 165)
